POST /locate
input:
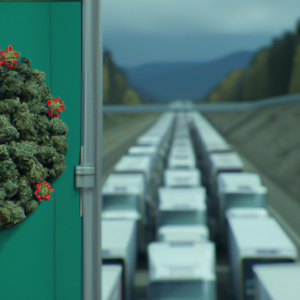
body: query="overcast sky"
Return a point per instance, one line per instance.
(144, 31)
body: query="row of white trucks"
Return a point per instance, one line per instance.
(177, 195)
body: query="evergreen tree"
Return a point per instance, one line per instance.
(257, 77)
(294, 85)
(281, 64)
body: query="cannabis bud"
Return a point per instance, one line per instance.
(32, 138)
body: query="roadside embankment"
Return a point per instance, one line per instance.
(120, 132)
(269, 138)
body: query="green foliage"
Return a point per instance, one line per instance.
(60, 144)
(294, 85)
(58, 127)
(257, 77)
(8, 106)
(230, 89)
(131, 98)
(8, 132)
(116, 88)
(11, 214)
(281, 63)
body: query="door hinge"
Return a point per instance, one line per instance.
(84, 176)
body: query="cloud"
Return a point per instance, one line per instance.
(180, 17)
(137, 49)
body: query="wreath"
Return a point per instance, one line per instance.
(32, 138)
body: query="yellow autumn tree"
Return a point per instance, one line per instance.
(131, 98)
(214, 97)
(230, 89)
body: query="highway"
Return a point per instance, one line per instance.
(117, 140)
(282, 205)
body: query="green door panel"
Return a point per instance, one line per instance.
(26, 26)
(40, 258)
(66, 83)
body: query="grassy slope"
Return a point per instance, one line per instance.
(270, 138)
(115, 125)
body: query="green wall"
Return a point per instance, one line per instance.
(41, 257)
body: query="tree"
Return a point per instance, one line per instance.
(294, 85)
(231, 88)
(105, 84)
(116, 89)
(131, 98)
(281, 64)
(257, 77)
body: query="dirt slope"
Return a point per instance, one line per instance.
(269, 138)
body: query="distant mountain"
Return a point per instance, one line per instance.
(188, 80)
(145, 96)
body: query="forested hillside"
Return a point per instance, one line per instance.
(116, 88)
(166, 81)
(273, 71)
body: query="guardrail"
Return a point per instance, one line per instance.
(206, 107)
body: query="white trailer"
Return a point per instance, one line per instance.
(182, 161)
(247, 212)
(139, 165)
(277, 281)
(254, 241)
(238, 190)
(182, 178)
(223, 162)
(182, 206)
(183, 233)
(111, 282)
(157, 159)
(182, 271)
(124, 198)
(218, 163)
(119, 247)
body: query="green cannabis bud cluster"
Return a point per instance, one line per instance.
(32, 143)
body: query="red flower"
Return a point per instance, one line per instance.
(43, 191)
(56, 106)
(8, 57)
